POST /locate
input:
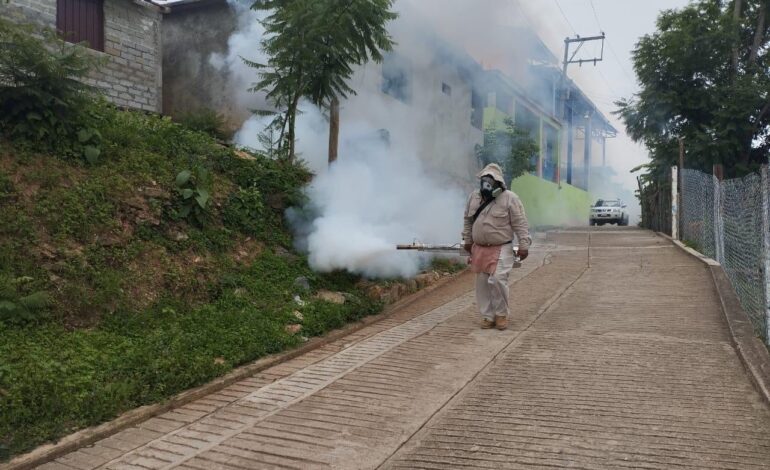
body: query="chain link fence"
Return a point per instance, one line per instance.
(655, 201)
(697, 211)
(728, 221)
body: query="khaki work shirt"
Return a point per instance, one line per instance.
(498, 222)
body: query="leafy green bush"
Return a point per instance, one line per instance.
(511, 146)
(245, 211)
(279, 180)
(18, 306)
(132, 132)
(43, 100)
(208, 121)
(195, 198)
(7, 189)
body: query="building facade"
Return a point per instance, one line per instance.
(126, 34)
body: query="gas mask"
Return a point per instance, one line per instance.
(489, 187)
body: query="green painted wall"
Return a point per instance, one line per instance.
(548, 205)
(493, 118)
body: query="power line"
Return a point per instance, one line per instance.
(525, 16)
(574, 31)
(607, 82)
(617, 59)
(596, 16)
(609, 44)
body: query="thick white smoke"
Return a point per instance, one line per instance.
(371, 201)
(312, 135)
(405, 165)
(379, 193)
(243, 44)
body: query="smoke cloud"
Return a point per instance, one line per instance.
(366, 205)
(377, 195)
(243, 44)
(403, 170)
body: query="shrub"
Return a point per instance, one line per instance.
(194, 195)
(43, 99)
(281, 181)
(7, 190)
(510, 146)
(18, 306)
(207, 121)
(245, 211)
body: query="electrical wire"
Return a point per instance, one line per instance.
(574, 31)
(609, 44)
(596, 17)
(524, 15)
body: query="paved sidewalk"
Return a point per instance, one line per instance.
(623, 364)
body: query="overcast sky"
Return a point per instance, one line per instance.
(624, 22)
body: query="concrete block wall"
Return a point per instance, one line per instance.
(131, 75)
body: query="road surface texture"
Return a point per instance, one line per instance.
(617, 356)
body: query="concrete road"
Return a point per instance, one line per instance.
(618, 356)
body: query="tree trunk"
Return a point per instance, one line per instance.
(736, 20)
(292, 126)
(334, 129)
(290, 138)
(759, 33)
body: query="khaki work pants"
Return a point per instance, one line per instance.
(492, 289)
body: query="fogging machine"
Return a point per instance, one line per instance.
(456, 249)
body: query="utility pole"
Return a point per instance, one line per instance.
(565, 91)
(587, 149)
(680, 203)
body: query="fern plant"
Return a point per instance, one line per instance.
(44, 100)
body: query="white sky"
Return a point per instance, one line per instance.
(624, 22)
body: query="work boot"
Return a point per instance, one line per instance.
(501, 322)
(487, 324)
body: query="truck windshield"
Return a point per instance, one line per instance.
(603, 203)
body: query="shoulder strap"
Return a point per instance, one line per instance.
(481, 208)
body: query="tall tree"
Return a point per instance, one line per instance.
(509, 146)
(705, 77)
(313, 46)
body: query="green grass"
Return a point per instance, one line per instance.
(691, 244)
(144, 303)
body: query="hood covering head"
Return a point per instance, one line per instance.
(493, 170)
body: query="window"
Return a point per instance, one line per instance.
(81, 21)
(477, 107)
(446, 89)
(504, 103)
(396, 78)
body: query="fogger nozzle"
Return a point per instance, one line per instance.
(451, 249)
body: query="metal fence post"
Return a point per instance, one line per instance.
(766, 245)
(719, 241)
(674, 201)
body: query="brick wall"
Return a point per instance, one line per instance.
(131, 74)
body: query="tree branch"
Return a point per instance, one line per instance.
(736, 20)
(762, 113)
(759, 33)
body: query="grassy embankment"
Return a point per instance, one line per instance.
(113, 295)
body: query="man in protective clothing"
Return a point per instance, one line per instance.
(493, 215)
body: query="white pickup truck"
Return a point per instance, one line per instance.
(609, 211)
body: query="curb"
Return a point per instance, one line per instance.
(85, 437)
(752, 352)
